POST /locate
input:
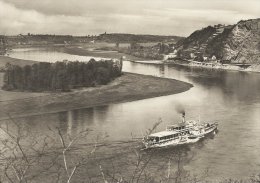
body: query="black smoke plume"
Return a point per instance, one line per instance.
(180, 109)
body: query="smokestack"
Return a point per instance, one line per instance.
(183, 117)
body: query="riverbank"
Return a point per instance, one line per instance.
(128, 87)
(4, 60)
(95, 52)
(204, 65)
(216, 66)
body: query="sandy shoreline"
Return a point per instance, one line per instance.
(4, 60)
(129, 87)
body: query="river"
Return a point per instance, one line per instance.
(230, 98)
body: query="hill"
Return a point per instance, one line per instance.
(46, 39)
(239, 43)
(128, 38)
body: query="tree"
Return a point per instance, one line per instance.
(29, 157)
(61, 76)
(20, 153)
(102, 75)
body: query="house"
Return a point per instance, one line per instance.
(205, 58)
(170, 56)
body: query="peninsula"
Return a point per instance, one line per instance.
(128, 87)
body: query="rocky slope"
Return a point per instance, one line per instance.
(239, 43)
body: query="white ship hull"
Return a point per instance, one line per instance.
(179, 141)
(205, 130)
(187, 133)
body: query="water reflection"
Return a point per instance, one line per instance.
(162, 70)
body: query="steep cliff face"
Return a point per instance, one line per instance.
(239, 43)
(243, 43)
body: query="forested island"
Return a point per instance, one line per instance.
(60, 76)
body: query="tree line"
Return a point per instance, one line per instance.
(60, 76)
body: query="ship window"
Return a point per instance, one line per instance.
(157, 139)
(151, 139)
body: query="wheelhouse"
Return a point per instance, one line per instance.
(181, 126)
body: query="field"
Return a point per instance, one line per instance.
(4, 60)
(86, 50)
(128, 87)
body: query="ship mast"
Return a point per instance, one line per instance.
(183, 117)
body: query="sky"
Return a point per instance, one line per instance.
(93, 17)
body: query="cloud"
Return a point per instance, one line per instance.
(15, 21)
(81, 17)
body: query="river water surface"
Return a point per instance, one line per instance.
(230, 98)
